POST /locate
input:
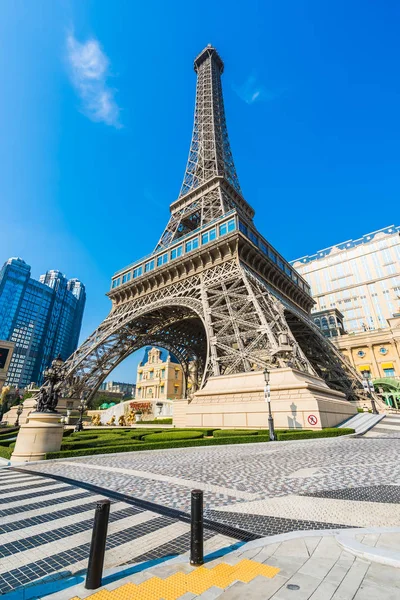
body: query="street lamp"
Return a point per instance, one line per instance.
(82, 407)
(369, 388)
(19, 413)
(267, 398)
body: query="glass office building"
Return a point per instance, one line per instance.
(43, 318)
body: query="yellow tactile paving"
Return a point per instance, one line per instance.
(197, 581)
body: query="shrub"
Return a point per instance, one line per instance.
(232, 432)
(322, 433)
(173, 435)
(68, 432)
(6, 444)
(12, 431)
(160, 446)
(5, 452)
(111, 440)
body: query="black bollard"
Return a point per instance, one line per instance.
(98, 545)
(196, 529)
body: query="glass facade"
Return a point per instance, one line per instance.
(43, 318)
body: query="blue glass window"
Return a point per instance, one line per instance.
(116, 282)
(272, 255)
(242, 228)
(223, 229)
(288, 271)
(253, 237)
(126, 277)
(161, 260)
(176, 252)
(149, 266)
(295, 278)
(263, 247)
(231, 225)
(281, 265)
(208, 236)
(192, 245)
(137, 272)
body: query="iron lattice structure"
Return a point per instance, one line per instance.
(213, 292)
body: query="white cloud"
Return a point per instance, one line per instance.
(252, 91)
(89, 68)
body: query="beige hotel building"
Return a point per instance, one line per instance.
(357, 282)
(159, 376)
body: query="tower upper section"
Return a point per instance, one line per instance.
(210, 153)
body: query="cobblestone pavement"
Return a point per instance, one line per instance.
(265, 488)
(45, 531)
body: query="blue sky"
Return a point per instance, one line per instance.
(96, 114)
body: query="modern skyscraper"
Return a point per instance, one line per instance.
(361, 278)
(43, 318)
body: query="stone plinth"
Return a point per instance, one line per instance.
(41, 434)
(237, 401)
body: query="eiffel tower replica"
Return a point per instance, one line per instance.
(214, 291)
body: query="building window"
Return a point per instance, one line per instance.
(263, 247)
(176, 252)
(161, 260)
(242, 228)
(383, 350)
(137, 272)
(116, 282)
(253, 237)
(176, 374)
(126, 277)
(389, 372)
(192, 245)
(151, 374)
(272, 255)
(149, 266)
(231, 225)
(162, 373)
(208, 236)
(161, 389)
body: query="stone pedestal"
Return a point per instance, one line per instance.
(41, 434)
(298, 401)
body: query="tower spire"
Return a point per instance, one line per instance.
(210, 152)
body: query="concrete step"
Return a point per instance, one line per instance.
(363, 422)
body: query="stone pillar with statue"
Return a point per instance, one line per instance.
(43, 430)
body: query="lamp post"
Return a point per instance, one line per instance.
(369, 388)
(267, 398)
(82, 407)
(19, 413)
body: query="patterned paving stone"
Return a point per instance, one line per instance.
(389, 494)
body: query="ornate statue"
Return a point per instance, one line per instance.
(111, 421)
(121, 421)
(130, 418)
(49, 392)
(96, 420)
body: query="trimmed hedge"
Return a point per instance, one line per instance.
(308, 435)
(5, 452)
(5, 444)
(173, 435)
(160, 446)
(105, 441)
(232, 432)
(10, 433)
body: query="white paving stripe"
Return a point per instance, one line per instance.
(26, 514)
(55, 486)
(25, 532)
(189, 483)
(325, 510)
(22, 504)
(15, 478)
(384, 425)
(34, 482)
(129, 550)
(47, 550)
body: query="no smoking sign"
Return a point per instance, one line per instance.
(312, 419)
